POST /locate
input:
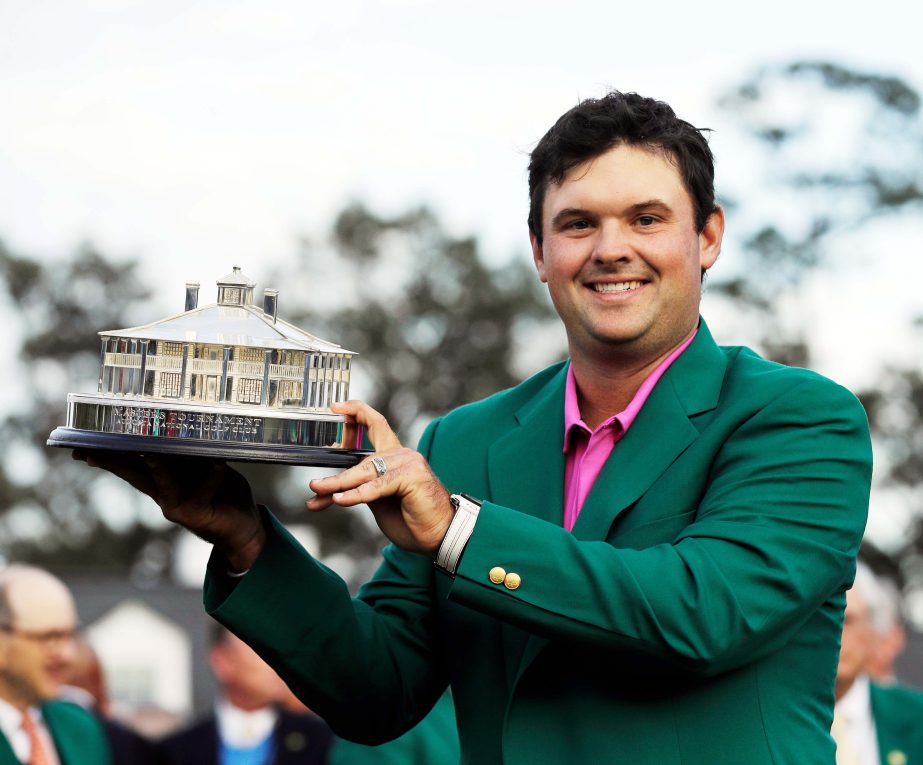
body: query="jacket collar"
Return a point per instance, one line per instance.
(526, 465)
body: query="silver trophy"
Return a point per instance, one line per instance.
(228, 380)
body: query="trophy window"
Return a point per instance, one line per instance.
(249, 391)
(171, 384)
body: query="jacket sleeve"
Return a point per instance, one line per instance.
(774, 536)
(368, 665)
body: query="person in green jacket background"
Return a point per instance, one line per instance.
(638, 555)
(874, 723)
(38, 621)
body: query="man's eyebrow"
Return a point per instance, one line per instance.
(568, 213)
(650, 204)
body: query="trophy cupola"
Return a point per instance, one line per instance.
(235, 289)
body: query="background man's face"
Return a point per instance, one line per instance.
(621, 254)
(248, 682)
(858, 642)
(37, 649)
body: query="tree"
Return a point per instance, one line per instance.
(839, 160)
(50, 505)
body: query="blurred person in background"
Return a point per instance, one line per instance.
(249, 725)
(86, 686)
(38, 623)
(873, 724)
(891, 635)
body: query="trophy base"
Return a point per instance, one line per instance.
(316, 456)
(238, 433)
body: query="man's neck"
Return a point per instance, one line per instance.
(606, 385)
(16, 700)
(842, 686)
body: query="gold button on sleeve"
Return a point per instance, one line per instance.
(512, 581)
(497, 575)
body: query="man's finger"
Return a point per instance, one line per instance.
(380, 433)
(131, 468)
(369, 470)
(182, 481)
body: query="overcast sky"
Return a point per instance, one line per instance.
(198, 135)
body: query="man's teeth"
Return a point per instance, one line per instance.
(616, 287)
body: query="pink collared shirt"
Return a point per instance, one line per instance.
(586, 451)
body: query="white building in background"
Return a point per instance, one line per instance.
(147, 659)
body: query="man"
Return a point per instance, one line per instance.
(86, 685)
(873, 724)
(38, 620)
(890, 635)
(651, 561)
(247, 727)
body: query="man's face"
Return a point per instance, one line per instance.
(248, 682)
(858, 642)
(621, 254)
(37, 649)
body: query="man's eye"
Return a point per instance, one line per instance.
(646, 220)
(580, 224)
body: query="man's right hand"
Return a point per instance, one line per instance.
(205, 496)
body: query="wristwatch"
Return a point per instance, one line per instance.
(458, 534)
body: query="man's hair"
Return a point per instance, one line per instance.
(6, 611)
(596, 125)
(881, 596)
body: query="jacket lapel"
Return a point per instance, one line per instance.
(663, 429)
(6, 752)
(893, 727)
(526, 466)
(661, 432)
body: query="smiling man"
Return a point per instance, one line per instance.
(37, 626)
(638, 555)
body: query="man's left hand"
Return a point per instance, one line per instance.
(410, 505)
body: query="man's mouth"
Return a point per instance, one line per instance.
(617, 286)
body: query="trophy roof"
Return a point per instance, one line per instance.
(240, 325)
(236, 278)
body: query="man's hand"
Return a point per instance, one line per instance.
(409, 503)
(205, 496)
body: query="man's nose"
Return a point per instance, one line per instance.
(613, 243)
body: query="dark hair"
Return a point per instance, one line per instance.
(596, 125)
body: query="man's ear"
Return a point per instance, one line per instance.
(218, 660)
(537, 256)
(710, 239)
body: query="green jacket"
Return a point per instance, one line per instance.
(898, 714)
(78, 736)
(692, 617)
(434, 741)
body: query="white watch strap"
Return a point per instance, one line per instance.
(460, 530)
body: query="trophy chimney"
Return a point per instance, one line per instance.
(271, 303)
(192, 295)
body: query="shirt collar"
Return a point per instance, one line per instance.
(10, 716)
(241, 729)
(856, 703)
(623, 419)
